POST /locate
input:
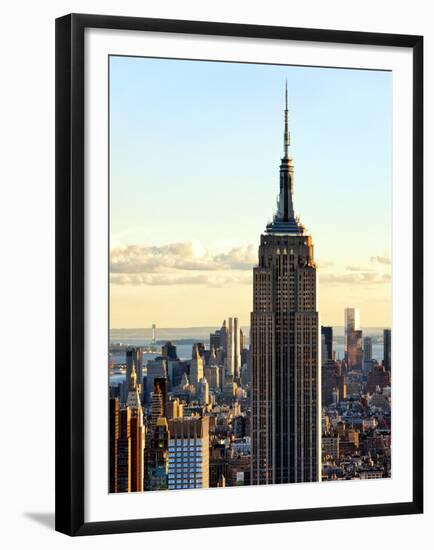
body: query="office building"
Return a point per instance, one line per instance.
(351, 321)
(168, 351)
(367, 354)
(203, 392)
(327, 335)
(158, 404)
(133, 359)
(353, 343)
(329, 383)
(156, 368)
(387, 349)
(157, 457)
(230, 349)
(215, 340)
(330, 447)
(136, 433)
(114, 438)
(188, 453)
(355, 349)
(379, 377)
(174, 409)
(196, 367)
(212, 374)
(286, 400)
(123, 484)
(237, 348)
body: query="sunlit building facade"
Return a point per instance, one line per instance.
(188, 453)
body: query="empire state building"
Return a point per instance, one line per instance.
(286, 420)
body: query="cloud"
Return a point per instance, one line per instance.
(381, 260)
(324, 264)
(153, 279)
(239, 258)
(358, 268)
(169, 264)
(359, 277)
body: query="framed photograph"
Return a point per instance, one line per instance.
(238, 274)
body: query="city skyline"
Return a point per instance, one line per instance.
(158, 279)
(277, 406)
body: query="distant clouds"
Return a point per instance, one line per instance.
(356, 268)
(324, 264)
(184, 263)
(331, 274)
(355, 277)
(191, 263)
(381, 260)
(153, 279)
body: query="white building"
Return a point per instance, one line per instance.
(188, 453)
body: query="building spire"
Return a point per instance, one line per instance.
(285, 220)
(286, 141)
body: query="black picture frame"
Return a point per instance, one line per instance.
(70, 263)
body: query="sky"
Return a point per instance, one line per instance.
(195, 148)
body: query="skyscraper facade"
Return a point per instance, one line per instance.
(353, 338)
(387, 347)
(188, 453)
(159, 397)
(285, 346)
(196, 367)
(237, 348)
(168, 351)
(230, 349)
(367, 348)
(351, 319)
(367, 353)
(327, 333)
(156, 368)
(157, 460)
(114, 438)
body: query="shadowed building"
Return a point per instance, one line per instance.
(168, 351)
(285, 346)
(378, 376)
(136, 433)
(387, 347)
(327, 334)
(367, 354)
(329, 382)
(157, 457)
(123, 484)
(114, 438)
(158, 400)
